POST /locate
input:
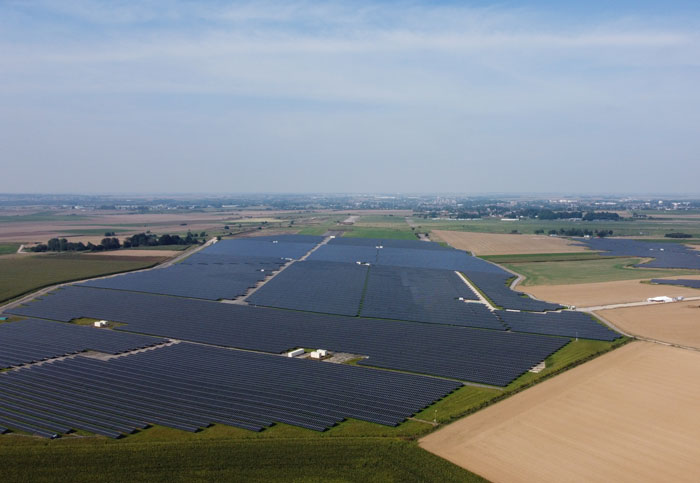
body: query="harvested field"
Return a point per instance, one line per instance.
(501, 244)
(630, 415)
(676, 323)
(137, 253)
(606, 293)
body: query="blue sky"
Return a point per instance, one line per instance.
(159, 96)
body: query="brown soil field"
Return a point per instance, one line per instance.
(676, 322)
(606, 293)
(630, 415)
(138, 253)
(501, 244)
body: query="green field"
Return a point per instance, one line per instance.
(225, 459)
(382, 233)
(637, 228)
(7, 248)
(588, 271)
(25, 273)
(544, 257)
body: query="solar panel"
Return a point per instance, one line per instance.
(565, 323)
(487, 356)
(30, 341)
(682, 282)
(315, 286)
(424, 295)
(664, 254)
(189, 386)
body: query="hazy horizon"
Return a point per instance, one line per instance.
(353, 97)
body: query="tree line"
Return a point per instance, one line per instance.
(113, 243)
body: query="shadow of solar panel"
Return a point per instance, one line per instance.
(30, 341)
(315, 286)
(566, 323)
(423, 295)
(487, 356)
(188, 386)
(211, 281)
(681, 282)
(495, 287)
(665, 255)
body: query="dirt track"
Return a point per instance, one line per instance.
(630, 415)
(605, 293)
(500, 244)
(676, 323)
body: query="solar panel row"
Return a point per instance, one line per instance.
(665, 255)
(316, 286)
(566, 323)
(423, 295)
(682, 282)
(188, 387)
(30, 341)
(491, 357)
(494, 285)
(210, 281)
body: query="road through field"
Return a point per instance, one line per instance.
(630, 415)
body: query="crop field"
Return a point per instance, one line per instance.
(588, 271)
(506, 244)
(591, 424)
(635, 228)
(7, 248)
(606, 293)
(676, 323)
(24, 273)
(226, 459)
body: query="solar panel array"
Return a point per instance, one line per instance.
(284, 246)
(487, 356)
(30, 341)
(494, 285)
(188, 387)
(316, 286)
(682, 282)
(224, 279)
(565, 323)
(665, 255)
(424, 295)
(375, 242)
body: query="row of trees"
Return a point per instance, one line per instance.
(63, 245)
(113, 243)
(151, 240)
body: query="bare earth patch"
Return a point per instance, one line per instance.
(676, 322)
(503, 244)
(630, 415)
(138, 253)
(606, 293)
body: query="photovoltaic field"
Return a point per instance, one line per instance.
(391, 304)
(665, 255)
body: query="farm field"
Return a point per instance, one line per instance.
(627, 416)
(24, 273)
(199, 458)
(137, 253)
(507, 244)
(588, 271)
(631, 228)
(676, 323)
(606, 293)
(8, 248)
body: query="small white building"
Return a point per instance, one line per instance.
(101, 323)
(295, 352)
